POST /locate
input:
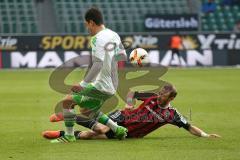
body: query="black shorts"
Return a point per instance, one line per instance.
(117, 117)
(85, 122)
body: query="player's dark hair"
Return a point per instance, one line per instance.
(170, 88)
(95, 15)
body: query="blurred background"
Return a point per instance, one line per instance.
(198, 39)
(208, 30)
(66, 16)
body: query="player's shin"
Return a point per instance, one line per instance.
(120, 132)
(104, 119)
(69, 120)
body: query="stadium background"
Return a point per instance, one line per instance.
(40, 34)
(208, 37)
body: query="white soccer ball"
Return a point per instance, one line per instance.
(139, 57)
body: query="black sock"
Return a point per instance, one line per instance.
(77, 134)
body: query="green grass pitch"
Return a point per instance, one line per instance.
(26, 101)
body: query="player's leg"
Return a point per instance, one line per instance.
(114, 117)
(90, 135)
(99, 130)
(69, 114)
(67, 105)
(119, 131)
(78, 135)
(85, 122)
(92, 124)
(92, 100)
(102, 118)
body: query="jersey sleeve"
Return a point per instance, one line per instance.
(143, 96)
(180, 121)
(98, 50)
(121, 49)
(121, 54)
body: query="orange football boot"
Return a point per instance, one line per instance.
(56, 117)
(51, 134)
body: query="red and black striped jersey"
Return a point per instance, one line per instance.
(149, 116)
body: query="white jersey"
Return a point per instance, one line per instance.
(106, 46)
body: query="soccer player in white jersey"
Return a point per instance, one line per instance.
(101, 81)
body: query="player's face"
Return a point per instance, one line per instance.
(89, 26)
(163, 98)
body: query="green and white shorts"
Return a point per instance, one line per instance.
(90, 98)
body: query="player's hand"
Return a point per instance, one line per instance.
(76, 88)
(214, 136)
(130, 94)
(130, 100)
(129, 107)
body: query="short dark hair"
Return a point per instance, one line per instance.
(171, 89)
(95, 15)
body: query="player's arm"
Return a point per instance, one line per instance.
(200, 133)
(91, 74)
(98, 56)
(180, 121)
(121, 53)
(132, 96)
(130, 101)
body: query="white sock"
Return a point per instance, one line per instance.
(112, 125)
(69, 119)
(69, 131)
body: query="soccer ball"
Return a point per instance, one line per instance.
(139, 57)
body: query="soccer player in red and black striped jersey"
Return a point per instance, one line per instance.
(154, 112)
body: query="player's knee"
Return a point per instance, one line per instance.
(86, 135)
(68, 102)
(101, 129)
(76, 88)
